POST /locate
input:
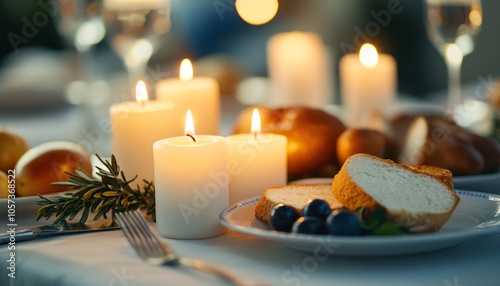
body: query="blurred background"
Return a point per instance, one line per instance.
(37, 59)
(213, 27)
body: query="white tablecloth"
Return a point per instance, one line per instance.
(106, 258)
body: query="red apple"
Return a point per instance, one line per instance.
(312, 135)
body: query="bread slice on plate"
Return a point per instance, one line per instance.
(296, 196)
(417, 200)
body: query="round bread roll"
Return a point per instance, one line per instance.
(360, 140)
(487, 147)
(429, 143)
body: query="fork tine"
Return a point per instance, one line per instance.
(143, 239)
(150, 238)
(130, 234)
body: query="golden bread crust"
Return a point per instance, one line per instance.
(442, 174)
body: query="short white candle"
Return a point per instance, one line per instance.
(200, 94)
(255, 162)
(368, 85)
(191, 184)
(136, 125)
(300, 70)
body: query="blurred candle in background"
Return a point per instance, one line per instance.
(255, 162)
(300, 70)
(200, 94)
(136, 125)
(190, 183)
(368, 85)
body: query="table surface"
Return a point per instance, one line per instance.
(106, 258)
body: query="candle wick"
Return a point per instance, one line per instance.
(255, 136)
(143, 103)
(192, 137)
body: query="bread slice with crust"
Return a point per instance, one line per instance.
(296, 196)
(419, 201)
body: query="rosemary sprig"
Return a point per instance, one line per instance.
(111, 192)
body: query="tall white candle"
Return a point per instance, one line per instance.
(368, 85)
(136, 125)
(300, 70)
(255, 162)
(200, 94)
(191, 184)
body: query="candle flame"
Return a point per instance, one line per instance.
(368, 55)
(141, 93)
(186, 71)
(189, 126)
(256, 126)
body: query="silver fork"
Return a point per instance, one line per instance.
(140, 235)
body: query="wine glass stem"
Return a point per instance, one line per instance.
(135, 74)
(454, 86)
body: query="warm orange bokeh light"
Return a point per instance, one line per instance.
(257, 12)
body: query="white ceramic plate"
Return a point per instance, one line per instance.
(476, 214)
(487, 183)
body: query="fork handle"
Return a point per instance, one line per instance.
(207, 267)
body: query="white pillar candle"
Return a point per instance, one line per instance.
(200, 94)
(136, 125)
(255, 162)
(191, 184)
(368, 85)
(300, 70)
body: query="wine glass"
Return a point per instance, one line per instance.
(134, 28)
(452, 26)
(80, 23)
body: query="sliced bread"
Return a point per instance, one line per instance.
(296, 196)
(421, 202)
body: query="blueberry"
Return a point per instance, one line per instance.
(309, 225)
(343, 222)
(283, 217)
(317, 208)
